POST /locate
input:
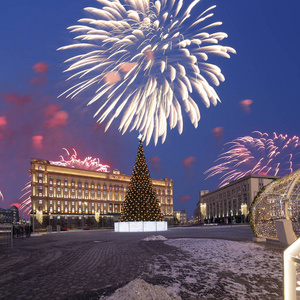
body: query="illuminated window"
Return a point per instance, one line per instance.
(98, 209)
(40, 194)
(93, 204)
(93, 192)
(79, 202)
(51, 188)
(40, 201)
(93, 210)
(58, 202)
(73, 190)
(116, 188)
(40, 187)
(98, 192)
(73, 203)
(40, 175)
(66, 202)
(116, 193)
(73, 183)
(40, 168)
(79, 184)
(79, 191)
(86, 210)
(104, 211)
(98, 204)
(86, 191)
(58, 189)
(50, 182)
(104, 193)
(104, 204)
(58, 209)
(79, 209)
(40, 181)
(104, 187)
(51, 209)
(66, 189)
(66, 209)
(122, 188)
(93, 186)
(73, 209)
(58, 183)
(98, 186)
(86, 185)
(66, 183)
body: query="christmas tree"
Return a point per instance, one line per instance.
(141, 202)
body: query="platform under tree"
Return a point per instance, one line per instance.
(141, 202)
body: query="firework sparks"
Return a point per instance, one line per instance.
(257, 154)
(89, 163)
(144, 59)
(1, 196)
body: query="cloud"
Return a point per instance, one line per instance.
(218, 132)
(3, 121)
(245, 105)
(184, 198)
(154, 160)
(15, 98)
(51, 109)
(57, 119)
(37, 142)
(187, 162)
(40, 67)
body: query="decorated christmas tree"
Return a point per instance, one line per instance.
(141, 202)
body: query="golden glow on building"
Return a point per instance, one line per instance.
(59, 190)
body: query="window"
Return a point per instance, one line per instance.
(40, 168)
(93, 192)
(51, 188)
(93, 186)
(51, 201)
(58, 182)
(79, 202)
(93, 210)
(110, 187)
(79, 184)
(40, 187)
(66, 189)
(40, 175)
(104, 187)
(50, 182)
(66, 202)
(86, 185)
(66, 183)
(98, 192)
(98, 186)
(73, 190)
(51, 209)
(93, 204)
(40, 194)
(98, 204)
(58, 189)
(73, 203)
(104, 193)
(66, 209)
(104, 204)
(86, 191)
(40, 201)
(40, 181)
(104, 211)
(58, 202)
(73, 183)
(79, 209)
(79, 191)
(58, 209)
(86, 210)
(73, 209)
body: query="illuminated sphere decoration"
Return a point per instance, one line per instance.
(269, 206)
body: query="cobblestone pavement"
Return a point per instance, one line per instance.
(91, 264)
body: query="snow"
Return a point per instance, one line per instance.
(209, 269)
(139, 289)
(155, 238)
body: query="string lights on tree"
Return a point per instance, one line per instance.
(141, 202)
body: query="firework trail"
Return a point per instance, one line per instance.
(257, 154)
(1, 196)
(145, 59)
(89, 163)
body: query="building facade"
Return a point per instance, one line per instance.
(181, 216)
(231, 203)
(63, 193)
(10, 215)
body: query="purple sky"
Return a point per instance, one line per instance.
(34, 123)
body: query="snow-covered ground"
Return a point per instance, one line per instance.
(210, 269)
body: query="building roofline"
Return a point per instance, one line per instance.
(241, 179)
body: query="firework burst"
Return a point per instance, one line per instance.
(257, 154)
(89, 163)
(146, 59)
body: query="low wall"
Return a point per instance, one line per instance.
(141, 226)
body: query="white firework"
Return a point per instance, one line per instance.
(144, 60)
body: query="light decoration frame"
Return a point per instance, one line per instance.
(39, 216)
(278, 200)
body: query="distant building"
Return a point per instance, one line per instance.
(10, 215)
(200, 211)
(181, 216)
(68, 196)
(231, 203)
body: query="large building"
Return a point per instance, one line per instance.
(66, 196)
(231, 202)
(10, 215)
(181, 216)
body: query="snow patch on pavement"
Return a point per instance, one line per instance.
(155, 238)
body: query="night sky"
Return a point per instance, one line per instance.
(35, 123)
